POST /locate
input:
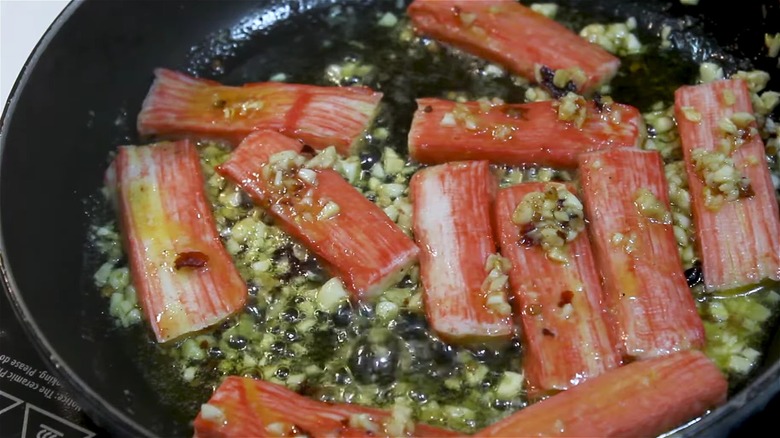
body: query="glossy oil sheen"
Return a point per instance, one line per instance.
(78, 99)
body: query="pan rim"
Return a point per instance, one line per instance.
(104, 414)
(745, 403)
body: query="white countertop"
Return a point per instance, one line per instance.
(22, 23)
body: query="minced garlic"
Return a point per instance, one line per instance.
(615, 38)
(291, 174)
(536, 94)
(722, 181)
(350, 72)
(388, 19)
(651, 207)
(279, 429)
(467, 19)
(549, 10)
(448, 120)
(710, 72)
(363, 421)
(325, 159)
(464, 117)
(756, 79)
(737, 129)
(572, 108)
(282, 168)
(329, 210)
(496, 284)
(401, 421)
(550, 218)
(241, 109)
(772, 43)
(563, 76)
(559, 82)
(510, 385)
(212, 414)
(503, 132)
(629, 241)
(691, 113)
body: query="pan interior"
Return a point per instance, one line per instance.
(78, 101)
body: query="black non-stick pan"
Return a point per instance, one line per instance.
(78, 97)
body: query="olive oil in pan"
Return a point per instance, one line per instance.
(376, 355)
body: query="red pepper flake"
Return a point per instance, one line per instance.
(566, 297)
(191, 259)
(746, 191)
(525, 239)
(298, 431)
(548, 332)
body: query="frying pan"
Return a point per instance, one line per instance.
(77, 100)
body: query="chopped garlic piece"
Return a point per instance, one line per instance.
(401, 422)
(572, 108)
(772, 44)
(363, 421)
(331, 209)
(448, 120)
(651, 207)
(691, 114)
(722, 181)
(756, 79)
(549, 10)
(212, 414)
(614, 37)
(496, 284)
(331, 294)
(709, 72)
(388, 20)
(550, 218)
(278, 77)
(510, 385)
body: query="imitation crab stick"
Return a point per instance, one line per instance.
(246, 407)
(642, 399)
(186, 280)
(352, 236)
(556, 287)
(513, 35)
(539, 133)
(650, 306)
(464, 278)
(733, 200)
(180, 105)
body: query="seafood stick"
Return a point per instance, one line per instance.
(355, 240)
(549, 133)
(556, 287)
(186, 280)
(180, 105)
(650, 305)
(642, 399)
(733, 200)
(510, 34)
(247, 407)
(464, 278)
